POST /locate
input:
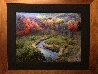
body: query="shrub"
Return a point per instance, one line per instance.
(70, 52)
(49, 59)
(29, 55)
(19, 44)
(26, 53)
(70, 41)
(56, 40)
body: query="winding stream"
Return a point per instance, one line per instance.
(45, 51)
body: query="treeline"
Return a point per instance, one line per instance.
(26, 24)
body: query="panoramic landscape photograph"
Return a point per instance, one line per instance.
(48, 37)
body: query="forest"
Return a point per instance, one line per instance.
(48, 37)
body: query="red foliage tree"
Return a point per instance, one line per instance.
(28, 24)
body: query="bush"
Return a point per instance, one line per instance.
(26, 53)
(70, 52)
(71, 41)
(54, 48)
(29, 55)
(19, 44)
(56, 40)
(49, 59)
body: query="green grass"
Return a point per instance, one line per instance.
(60, 40)
(25, 52)
(57, 40)
(70, 52)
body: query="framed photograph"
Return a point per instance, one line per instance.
(48, 36)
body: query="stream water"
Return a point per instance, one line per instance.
(46, 52)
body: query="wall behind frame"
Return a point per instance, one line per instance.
(93, 38)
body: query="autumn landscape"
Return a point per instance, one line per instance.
(48, 37)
